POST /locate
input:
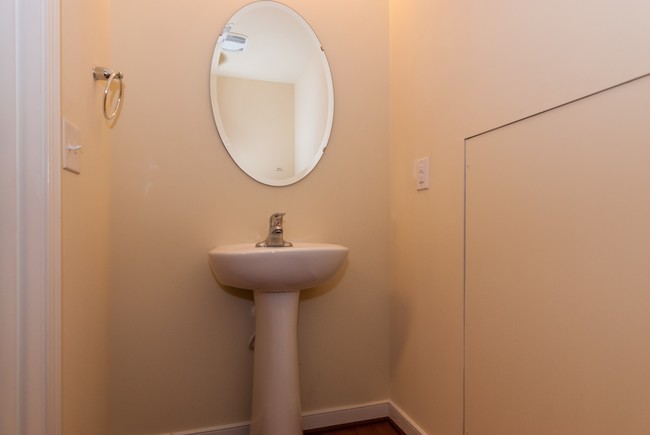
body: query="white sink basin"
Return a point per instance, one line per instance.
(276, 276)
(301, 266)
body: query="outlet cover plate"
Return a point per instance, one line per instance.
(71, 152)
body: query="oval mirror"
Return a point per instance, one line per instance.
(272, 94)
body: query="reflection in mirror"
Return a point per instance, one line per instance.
(271, 92)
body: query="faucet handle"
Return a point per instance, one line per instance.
(275, 237)
(276, 220)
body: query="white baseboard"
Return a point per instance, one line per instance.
(328, 417)
(344, 415)
(403, 421)
(232, 429)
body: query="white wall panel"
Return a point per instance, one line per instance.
(557, 273)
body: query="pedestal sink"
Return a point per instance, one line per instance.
(276, 276)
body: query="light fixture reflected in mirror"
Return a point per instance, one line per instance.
(232, 41)
(271, 92)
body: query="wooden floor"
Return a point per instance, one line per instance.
(375, 427)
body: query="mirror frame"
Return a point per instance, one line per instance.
(324, 65)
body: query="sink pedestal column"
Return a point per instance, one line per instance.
(276, 384)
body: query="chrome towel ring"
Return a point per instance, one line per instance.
(103, 73)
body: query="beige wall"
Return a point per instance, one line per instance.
(85, 223)
(258, 117)
(556, 283)
(178, 341)
(458, 68)
(180, 355)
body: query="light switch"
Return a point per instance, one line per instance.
(422, 173)
(71, 152)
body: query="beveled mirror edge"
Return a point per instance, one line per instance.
(324, 64)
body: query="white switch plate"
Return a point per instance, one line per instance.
(71, 152)
(422, 173)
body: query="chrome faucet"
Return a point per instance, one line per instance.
(275, 239)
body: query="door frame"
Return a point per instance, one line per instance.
(30, 222)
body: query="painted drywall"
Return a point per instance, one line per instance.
(85, 223)
(258, 117)
(179, 342)
(556, 288)
(458, 68)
